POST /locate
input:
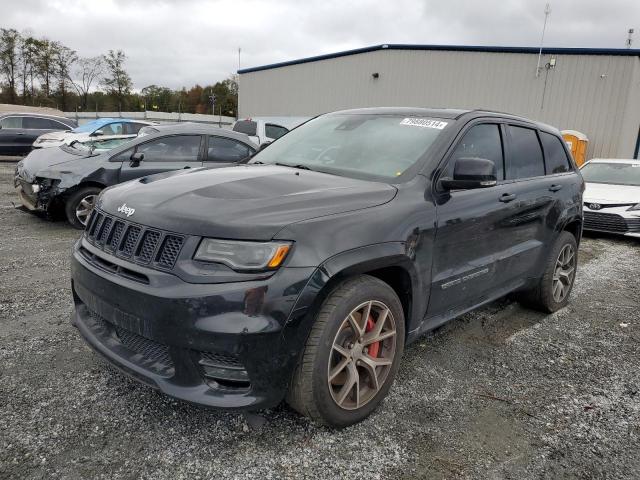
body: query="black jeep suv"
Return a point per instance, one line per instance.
(303, 274)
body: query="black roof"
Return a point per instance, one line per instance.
(35, 114)
(446, 113)
(454, 48)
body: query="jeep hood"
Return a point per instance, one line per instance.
(250, 202)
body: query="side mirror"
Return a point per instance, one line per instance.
(97, 133)
(136, 158)
(471, 172)
(263, 146)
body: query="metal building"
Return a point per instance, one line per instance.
(595, 91)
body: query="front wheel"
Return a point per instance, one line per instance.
(79, 206)
(352, 354)
(552, 290)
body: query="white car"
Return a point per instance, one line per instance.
(612, 196)
(259, 131)
(106, 128)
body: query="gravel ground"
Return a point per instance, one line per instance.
(503, 392)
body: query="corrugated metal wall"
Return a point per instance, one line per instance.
(595, 94)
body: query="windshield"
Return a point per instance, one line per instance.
(89, 127)
(380, 146)
(613, 173)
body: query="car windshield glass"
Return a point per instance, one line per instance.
(371, 146)
(613, 173)
(88, 127)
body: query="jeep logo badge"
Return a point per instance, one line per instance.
(128, 211)
(595, 206)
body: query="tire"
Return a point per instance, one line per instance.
(544, 296)
(73, 206)
(311, 393)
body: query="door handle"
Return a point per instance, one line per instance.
(507, 197)
(555, 188)
(20, 133)
(186, 168)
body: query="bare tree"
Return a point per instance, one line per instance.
(9, 59)
(88, 71)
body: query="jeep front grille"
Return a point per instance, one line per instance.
(137, 243)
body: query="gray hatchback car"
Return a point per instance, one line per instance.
(68, 179)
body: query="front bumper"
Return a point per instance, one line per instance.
(617, 220)
(219, 345)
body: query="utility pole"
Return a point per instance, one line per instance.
(547, 12)
(630, 38)
(239, 51)
(212, 97)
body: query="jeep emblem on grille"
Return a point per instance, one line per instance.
(592, 206)
(128, 211)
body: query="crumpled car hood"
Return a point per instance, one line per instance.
(46, 161)
(250, 202)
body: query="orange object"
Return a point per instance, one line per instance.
(577, 142)
(278, 257)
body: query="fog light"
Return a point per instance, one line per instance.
(35, 187)
(225, 373)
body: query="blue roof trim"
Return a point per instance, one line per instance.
(452, 48)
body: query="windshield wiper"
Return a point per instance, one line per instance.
(297, 165)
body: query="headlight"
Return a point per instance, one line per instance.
(635, 207)
(243, 255)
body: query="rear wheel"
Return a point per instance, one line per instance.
(352, 354)
(79, 206)
(553, 289)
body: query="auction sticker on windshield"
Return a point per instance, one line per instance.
(424, 122)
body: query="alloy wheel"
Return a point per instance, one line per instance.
(362, 355)
(564, 273)
(84, 208)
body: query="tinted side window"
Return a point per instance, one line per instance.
(246, 126)
(35, 123)
(179, 148)
(133, 128)
(481, 141)
(274, 131)
(525, 160)
(42, 124)
(554, 154)
(112, 129)
(11, 122)
(227, 150)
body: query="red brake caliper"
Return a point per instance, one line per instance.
(374, 348)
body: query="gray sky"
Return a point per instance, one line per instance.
(182, 42)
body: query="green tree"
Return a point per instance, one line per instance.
(10, 40)
(64, 60)
(116, 80)
(46, 64)
(28, 70)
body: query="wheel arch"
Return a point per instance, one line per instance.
(388, 262)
